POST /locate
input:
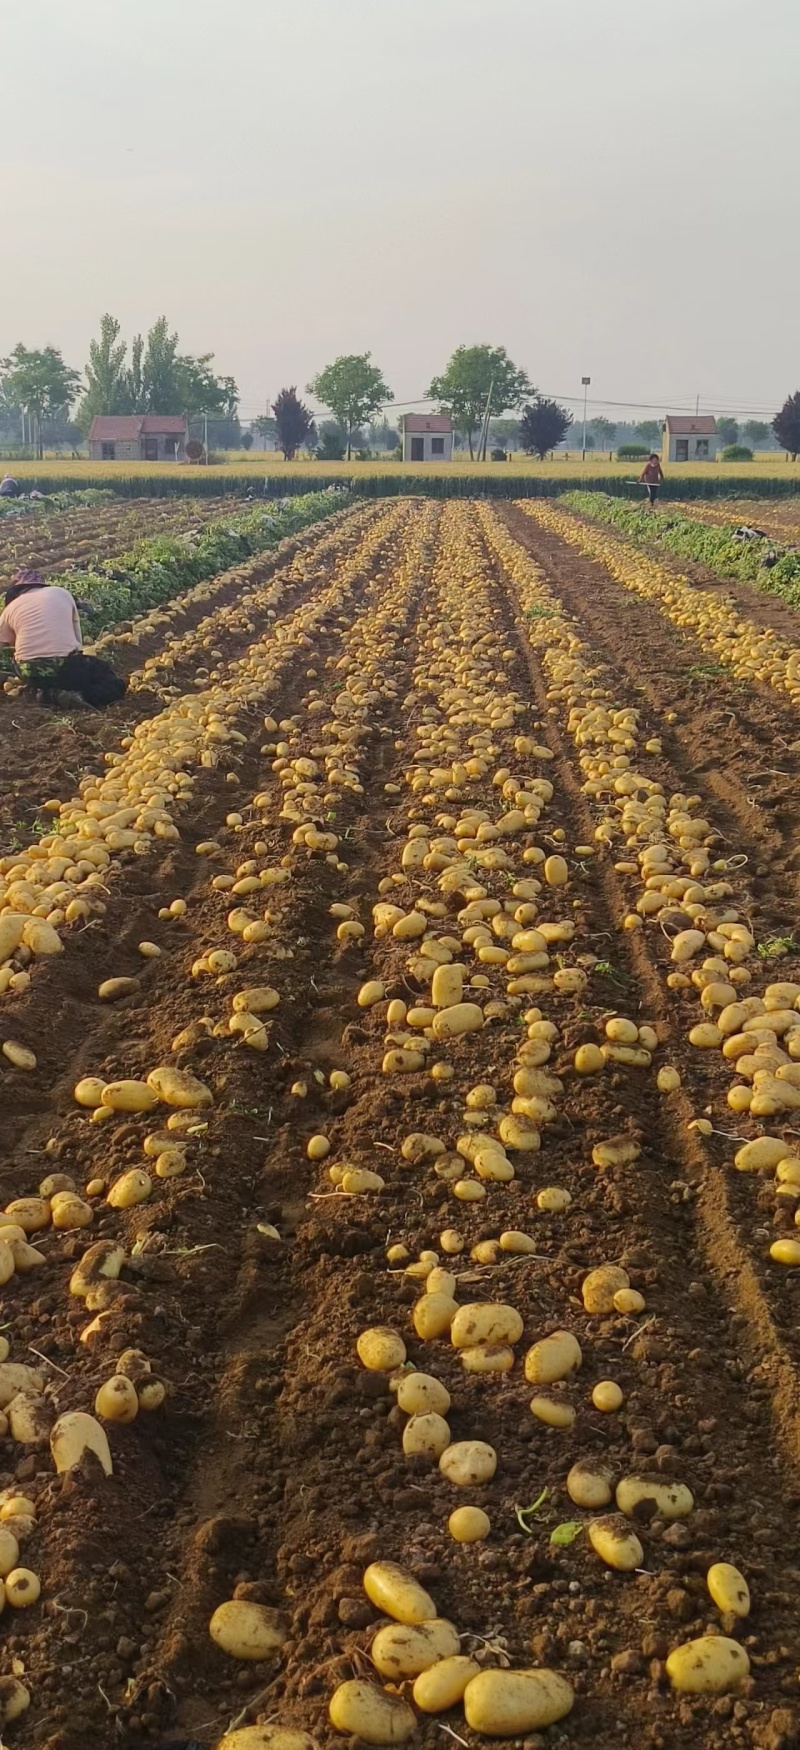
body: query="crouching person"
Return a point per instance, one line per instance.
(40, 627)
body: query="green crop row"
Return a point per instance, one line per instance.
(55, 501)
(157, 570)
(711, 545)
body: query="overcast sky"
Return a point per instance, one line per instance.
(605, 187)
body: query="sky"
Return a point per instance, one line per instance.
(605, 189)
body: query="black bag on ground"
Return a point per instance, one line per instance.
(93, 678)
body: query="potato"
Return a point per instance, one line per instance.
(710, 1665)
(359, 1180)
(73, 1436)
(16, 1377)
(112, 989)
(245, 1630)
(9, 1551)
(492, 1164)
(68, 1211)
(554, 1412)
(116, 1400)
(101, 1263)
(150, 1392)
(258, 999)
(509, 1704)
(552, 1358)
(29, 1418)
(618, 1151)
(439, 1281)
(589, 1483)
(521, 1137)
(786, 1252)
(628, 1301)
(760, 1156)
(317, 1148)
(447, 985)
(426, 1436)
(177, 1087)
(663, 1500)
(397, 1594)
(170, 1163)
(433, 1315)
(617, 1546)
(487, 1358)
(89, 1091)
(131, 1188)
(17, 1504)
(360, 1709)
(468, 1462)
(589, 1060)
(419, 1394)
(418, 1146)
(485, 1322)
(607, 1396)
(19, 1055)
(380, 1349)
(266, 1738)
(14, 1699)
(443, 1684)
(22, 1588)
(459, 1018)
(32, 1214)
(469, 1524)
(728, 1588)
(600, 1286)
(553, 1199)
(402, 1650)
(128, 1096)
(668, 1079)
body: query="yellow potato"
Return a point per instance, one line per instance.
(618, 1151)
(553, 1199)
(22, 1588)
(485, 1322)
(728, 1588)
(617, 1546)
(468, 1524)
(360, 1709)
(426, 1436)
(371, 993)
(419, 1394)
(401, 1650)
(786, 1252)
(245, 1630)
(89, 1091)
(380, 1349)
(487, 1358)
(552, 1358)
(116, 1400)
(68, 1211)
(75, 1434)
(664, 1500)
(129, 1096)
(509, 1704)
(517, 1243)
(468, 1462)
(762, 1155)
(668, 1079)
(266, 1738)
(459, 1018)
(131, 1188)
(554, 1412)
(446, 986)
(178, 1087)
(443, 1684)
(397, 1594)
(589, 1483)
(601, 1285)
(589, 1060)
(433, 1315)
(32, 1214)
(710, 1665)
(607, 1396)
(9, 1551)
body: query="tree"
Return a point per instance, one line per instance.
(474, 376)
(332, 445)
(786, 425)
(265, 427)
(41, 384)
(353, 389)
(247, 440)
(506, 432)
(649, 430)
(756, 431)
(294, 423)
(108, 380)
(728, 430)
(383, 436)
(543, 425)
(605, 431)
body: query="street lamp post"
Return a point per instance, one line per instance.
(585, 381)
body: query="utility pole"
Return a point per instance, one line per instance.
(585, 381)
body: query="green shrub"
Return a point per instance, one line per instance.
(736, 453)
(632, 452)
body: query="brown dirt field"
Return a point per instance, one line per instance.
(277, 1463)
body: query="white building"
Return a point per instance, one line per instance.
(688, 439)
(427, 437)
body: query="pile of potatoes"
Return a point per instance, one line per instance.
(753, 653)
(687, 890)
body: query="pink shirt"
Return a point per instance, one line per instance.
(41, 622)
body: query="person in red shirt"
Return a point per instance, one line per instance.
(651, 476)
